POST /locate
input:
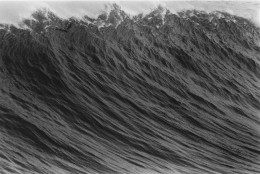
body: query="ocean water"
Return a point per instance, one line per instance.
(158, 94)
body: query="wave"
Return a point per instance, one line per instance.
(155, 93)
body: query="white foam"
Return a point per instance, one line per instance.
(191, 14)
(211, 18)
(257, 19)
(163, 14)
(25, 27)
(219, 15)
(66, 9)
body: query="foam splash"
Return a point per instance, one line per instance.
(20, 10)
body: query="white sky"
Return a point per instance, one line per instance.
(14, 11)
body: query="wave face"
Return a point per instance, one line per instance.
(160, 93)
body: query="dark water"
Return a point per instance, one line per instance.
(144, 97)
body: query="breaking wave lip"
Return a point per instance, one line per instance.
(159, 93)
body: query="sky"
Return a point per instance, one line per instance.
(14, 11)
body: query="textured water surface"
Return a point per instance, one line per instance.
(157, 94)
